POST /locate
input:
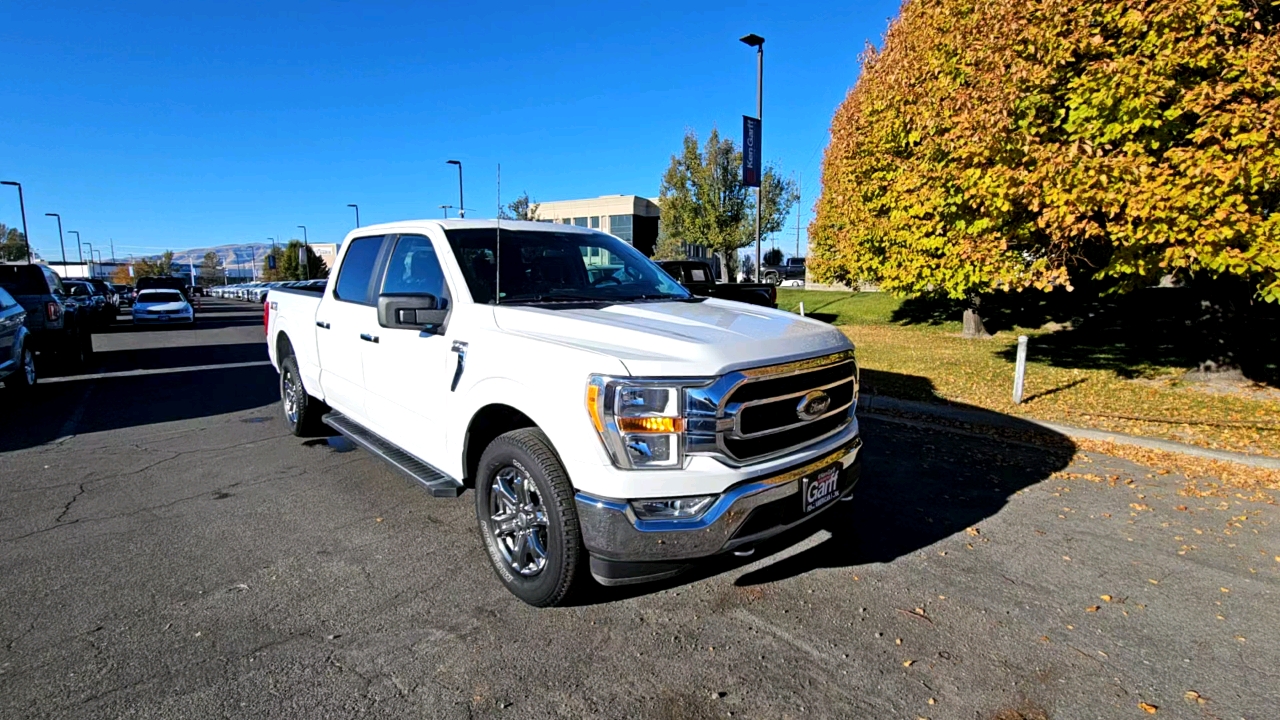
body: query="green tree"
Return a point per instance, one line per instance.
(13, 244)
(705, 203)
(289, 267)
(210, 269)
(773, 256)
(160, 267)
(1013, 145)
(522, 208)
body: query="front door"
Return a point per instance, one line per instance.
(343, 321)
(408, 372)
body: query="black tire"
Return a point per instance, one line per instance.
(24, 377)
(304, 420)
(773, 278)
(528, 453)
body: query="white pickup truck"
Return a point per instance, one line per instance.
(608, 421)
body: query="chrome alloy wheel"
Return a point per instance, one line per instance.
(29, 365)
(518, 521)
(290, 393)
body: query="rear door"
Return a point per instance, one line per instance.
(343, 318)
(408, 372)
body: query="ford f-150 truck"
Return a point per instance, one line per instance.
(608, 421)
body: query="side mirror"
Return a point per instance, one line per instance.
(413, 311)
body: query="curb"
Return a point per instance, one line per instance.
(991, 418)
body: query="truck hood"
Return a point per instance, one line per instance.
(678, 338)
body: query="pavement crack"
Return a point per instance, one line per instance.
(67, 508)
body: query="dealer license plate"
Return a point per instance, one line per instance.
(821, 488)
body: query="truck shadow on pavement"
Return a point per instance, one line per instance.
(75, 406)
(919, 485)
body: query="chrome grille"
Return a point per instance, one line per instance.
(752, 415)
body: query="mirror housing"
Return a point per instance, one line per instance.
(413, 311)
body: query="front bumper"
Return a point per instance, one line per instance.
(164, 319)
(622, 545)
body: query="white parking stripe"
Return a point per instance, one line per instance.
(157, 371)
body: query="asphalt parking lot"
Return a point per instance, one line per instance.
(167, 549)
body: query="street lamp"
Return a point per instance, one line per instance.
(79, 250)
(62, 243)
(22, 205)
(357, 207)
(757, 42)
(90, 258)
(462, 207)
(445, 208)
(306, 269)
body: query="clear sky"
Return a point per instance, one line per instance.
(191, 124)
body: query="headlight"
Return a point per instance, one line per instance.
(638, 420)
(672, 508)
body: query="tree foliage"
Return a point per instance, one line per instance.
(210, 269)
(1011, 145)
(288, 266)
(522, 208)
(121, 276)
(773, 256)
(160, 267)
(704, 202)
(13, 244)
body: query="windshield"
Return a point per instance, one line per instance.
(160, 296)
(548, 266)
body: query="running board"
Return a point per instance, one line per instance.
(438, 483)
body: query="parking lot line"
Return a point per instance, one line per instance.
(157, 371)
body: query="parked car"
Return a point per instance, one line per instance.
(162, 307)
(792, 269)
(58, 326)
(113, 300)
(17, 356)
(90, 300)
(124, 293)
(165, 283)
(619, 428)
(696, 276)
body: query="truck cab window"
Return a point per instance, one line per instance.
(415, 268)
(356, 274)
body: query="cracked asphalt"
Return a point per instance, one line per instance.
(168, 550)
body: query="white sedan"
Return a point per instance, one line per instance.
(162, 307)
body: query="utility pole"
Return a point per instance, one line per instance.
(113, 249)
(799, 205)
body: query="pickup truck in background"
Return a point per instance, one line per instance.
(610, 423)
(697, 277)
(792, 269)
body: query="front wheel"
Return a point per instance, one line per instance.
(528, 520)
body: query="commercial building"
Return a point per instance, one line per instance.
(327, 252)
(629, 217)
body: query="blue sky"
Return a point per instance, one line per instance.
(180, 125)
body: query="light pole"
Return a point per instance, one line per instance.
(445, 208)
(306, 246)
(357, 207)
(462, 207)
(22, 205)
(91, 252)
(757, 42)
(61, 242)
(90, 258)
(79, 250)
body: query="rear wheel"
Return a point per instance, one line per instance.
(528, 520)
(301, 411)
(24, 376)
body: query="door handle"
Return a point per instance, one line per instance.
(460, 348)
(322, 324)
(369, 338)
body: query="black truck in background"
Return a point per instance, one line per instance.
(792, 269)
(696, 276)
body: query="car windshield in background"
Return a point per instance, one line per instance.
(547, 267)
(166, 296)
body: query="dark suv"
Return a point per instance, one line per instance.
(56, 329)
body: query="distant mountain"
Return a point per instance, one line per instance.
(234, 257)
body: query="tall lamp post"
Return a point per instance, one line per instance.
(79, 249)
(90, 257)
(445, 208)
(22, 205)
(306, 247)
(62, 243)
(757, 42)
(462, 207)
(357, 207)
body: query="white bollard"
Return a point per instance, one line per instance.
(801, 308)
(1020, 370)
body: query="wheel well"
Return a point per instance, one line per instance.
(487, 424)
(284, 348)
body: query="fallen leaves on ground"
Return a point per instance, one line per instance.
(1148, 708)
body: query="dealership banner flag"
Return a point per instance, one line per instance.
(750, 151)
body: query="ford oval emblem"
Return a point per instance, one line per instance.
(813, 405)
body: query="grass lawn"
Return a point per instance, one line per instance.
(930, 362)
